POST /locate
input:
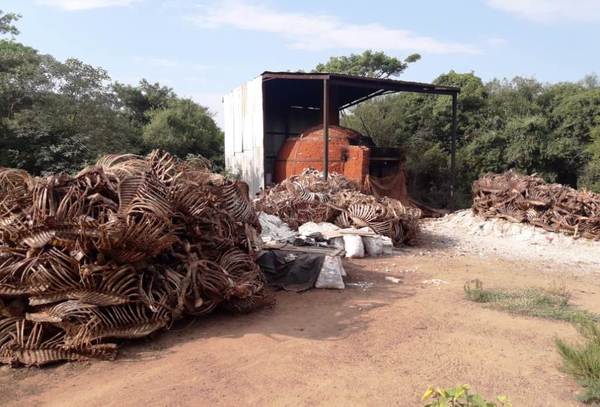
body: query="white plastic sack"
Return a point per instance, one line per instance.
(353, 245)
(373, 245)
(326, 229)
(274, 229)
(330, 275)
(388, 246)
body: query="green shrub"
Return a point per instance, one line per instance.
(582, 361)
(459, 396)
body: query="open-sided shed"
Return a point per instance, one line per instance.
(262, 113)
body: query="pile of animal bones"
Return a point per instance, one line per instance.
(309, 198)
(554, 207)
(120, 250)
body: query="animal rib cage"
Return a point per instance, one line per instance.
(528, 199)
(120, 250)
(309, 198)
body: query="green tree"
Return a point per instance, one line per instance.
(183, 128)
(550, 129)
(369, 63)
(590, 173)
(391, 120)
(57, 116)
(60, 116)
(24, 75)
(472, 105)
(7, 21)
(573, 117)
(420, 124)
(527, 143)
(139, 100)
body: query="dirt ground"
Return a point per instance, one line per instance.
(377, 343)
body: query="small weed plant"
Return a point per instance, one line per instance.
(460, 396)
(582, 360)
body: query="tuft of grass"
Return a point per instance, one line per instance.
(550, 303)
(582, 361)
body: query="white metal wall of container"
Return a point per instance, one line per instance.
(244, 133)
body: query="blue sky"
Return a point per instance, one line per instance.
(204, 48)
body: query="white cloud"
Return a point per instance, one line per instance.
(320, 32)
(551, 10)
(73, 5)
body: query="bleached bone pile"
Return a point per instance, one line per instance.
(554, 207)
(120, 250)
(309, 198)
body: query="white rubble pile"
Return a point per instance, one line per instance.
(497, 227)
(467, 232)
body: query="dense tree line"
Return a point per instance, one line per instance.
(60, 116)
(549, 129)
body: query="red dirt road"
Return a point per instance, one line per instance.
(378, 346)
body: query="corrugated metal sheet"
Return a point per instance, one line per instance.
(244, 134)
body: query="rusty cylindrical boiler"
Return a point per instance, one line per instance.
(346, 154)
(379, 171)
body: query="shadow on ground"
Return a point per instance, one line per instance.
(320, 315)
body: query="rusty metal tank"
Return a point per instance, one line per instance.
(348, 153)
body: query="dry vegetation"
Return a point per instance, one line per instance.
(550, 303)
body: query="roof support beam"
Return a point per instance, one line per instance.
(291, 75)
(325, 128)
(395, 87)
(378, 92)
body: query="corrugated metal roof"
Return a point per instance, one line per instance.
(361, 81)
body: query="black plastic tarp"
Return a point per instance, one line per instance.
(291, 271)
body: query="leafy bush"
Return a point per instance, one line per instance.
(582, 361)
(459, 396)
